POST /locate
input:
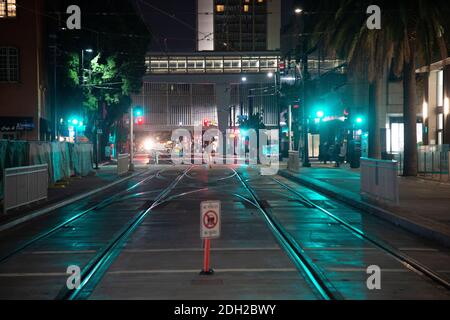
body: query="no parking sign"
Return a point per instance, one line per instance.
(210, 220)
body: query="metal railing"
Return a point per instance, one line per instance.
(379, 179)
(24, 185)
(433, 162)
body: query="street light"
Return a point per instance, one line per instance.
(270, 74)
(298, 10)
(244, 79)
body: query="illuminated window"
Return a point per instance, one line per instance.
(9, 64)
(7, 8)
(220, 8)
(246, 7)
(260, 1)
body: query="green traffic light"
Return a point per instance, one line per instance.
(320, 114)
(359, 120)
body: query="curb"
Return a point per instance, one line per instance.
(348, 198)
(63, 203)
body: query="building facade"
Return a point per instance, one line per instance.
(236, 63)
(238, 25)
(23, 113)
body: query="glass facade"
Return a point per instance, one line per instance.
(212, 64)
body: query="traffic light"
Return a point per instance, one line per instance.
(138, 112)
(140, 121)
(320, 114)
(359, 120)
(205, 123)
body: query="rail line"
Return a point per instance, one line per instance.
(404, 259)
(305, 265)
(61, 225)
(93, 272)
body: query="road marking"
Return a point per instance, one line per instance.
(367, 249)
(365, 270)
(196, 271)
(32, 275)
(63, 252)
(198, 250)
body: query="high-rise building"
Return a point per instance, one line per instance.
(230, 75)
(238, 25)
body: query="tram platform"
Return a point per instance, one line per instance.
(424, 207)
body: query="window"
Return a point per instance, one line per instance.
(260, 1)
(220, 8)
(7, 8)
(9, 64)
(246, 7)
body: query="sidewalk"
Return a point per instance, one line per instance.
(103, 178)
(424, 206)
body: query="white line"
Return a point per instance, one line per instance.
(63, 252)
(340, 249)
(196, 271)
(32, 275)
(419, 249)
(365, 270)
(367, 249)
(198, 250)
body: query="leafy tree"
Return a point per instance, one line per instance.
(112, 72)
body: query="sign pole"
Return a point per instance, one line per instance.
(207, 271)
(209, 229)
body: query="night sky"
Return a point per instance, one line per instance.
(173, 23)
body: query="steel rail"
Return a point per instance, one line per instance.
(297, 254)
(404, 259)
(61, 225)
(93, 273)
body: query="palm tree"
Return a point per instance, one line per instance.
(412, 31)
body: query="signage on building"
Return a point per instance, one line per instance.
(11, 124)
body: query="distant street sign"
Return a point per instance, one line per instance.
(210, 220)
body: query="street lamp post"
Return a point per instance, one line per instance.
(277, 101)
(131, 139)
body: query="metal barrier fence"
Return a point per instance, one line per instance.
(24, 185)
(379, 179)
(294, 161)
(123, 164)
(433, 162)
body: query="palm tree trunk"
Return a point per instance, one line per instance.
(375, 96)
(410, 115)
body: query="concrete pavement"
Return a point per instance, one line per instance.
(424, 206)
(62, 194)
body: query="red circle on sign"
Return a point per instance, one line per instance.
(210, 219)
